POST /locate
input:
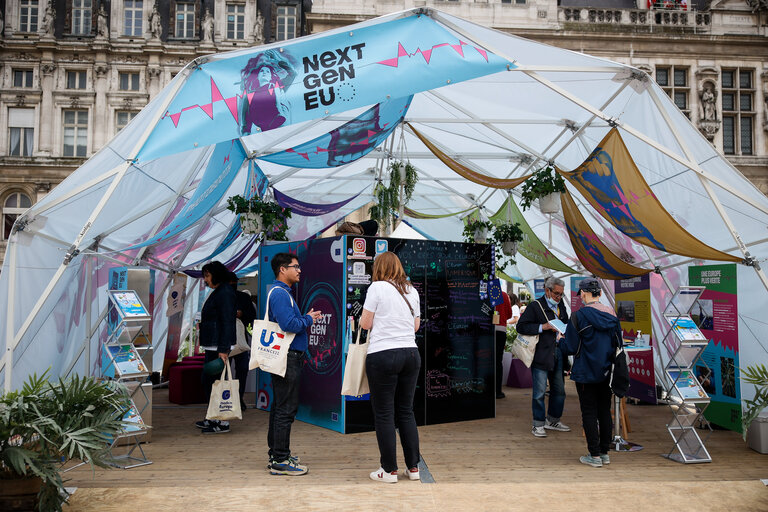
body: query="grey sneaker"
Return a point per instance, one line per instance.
(589, 460)
(605, 458)
(557, 425)
(294, 459)
(539, 432)
(287, 467)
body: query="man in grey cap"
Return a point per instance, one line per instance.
(547, 360)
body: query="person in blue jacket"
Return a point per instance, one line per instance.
(591, 337)
(285, 402)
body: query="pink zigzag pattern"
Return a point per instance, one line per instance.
(427, 54)
(216, 95)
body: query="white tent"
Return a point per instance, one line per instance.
(496, 103)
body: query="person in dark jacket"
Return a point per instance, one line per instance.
(592, 337)
(547, 360)
(217, 330)
(246, 314)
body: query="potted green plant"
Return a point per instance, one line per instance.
(476, 231)
(756, 375)
(259, 217)
(507, 236)
(389, 198)
(545, 185)
(46, 424)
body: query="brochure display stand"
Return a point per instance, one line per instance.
(686, 397)
(123, 363)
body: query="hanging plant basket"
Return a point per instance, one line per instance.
(550, 203)
(252, 223)
(481, 235)
(509, 248)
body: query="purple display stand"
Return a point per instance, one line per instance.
(519, 375)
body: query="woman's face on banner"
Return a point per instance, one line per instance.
(265, 75)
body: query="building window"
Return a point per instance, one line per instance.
(22, 78)
(132, 17)
(76, 79)
(123, 118)
(75, 132)
(674, 81)
(129, 81)
(28, 16)
(286, 22)
(21, 124)
(81, 17)
(738, 111)
(15, 204)
(185, 20)
(235, 21)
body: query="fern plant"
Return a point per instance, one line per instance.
(756, 375)
(387, 197)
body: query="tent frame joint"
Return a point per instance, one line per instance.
(72, 252)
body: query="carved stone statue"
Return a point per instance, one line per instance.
(708, 110)
(155, 23)
(207, 27)
(258, 28)
(48, 19)
(101, 23)
(2, 22)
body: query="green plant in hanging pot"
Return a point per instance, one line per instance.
(756, 375)
(260, 217)
(46, 424)
(389, 198)
(506, 237)
(476, 231)
(545, 185)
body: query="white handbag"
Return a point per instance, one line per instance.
(241, 343)
(224, 404)
(355, 381)
(269, 344)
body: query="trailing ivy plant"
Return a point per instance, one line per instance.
(507, 232)
(543, 182)
(388, 198)
(758, 376)
(274, 216)
(473, 225)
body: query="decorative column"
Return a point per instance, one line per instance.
(47, 69)
(101, 114)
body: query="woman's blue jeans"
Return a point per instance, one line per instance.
(556, 392)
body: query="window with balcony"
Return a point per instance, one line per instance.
(129, 81)
(28, 12)
(76, 79)
(13, 206)
(21, 127)
(235, 21)
(674, 81)
(738, 111)
(286, 22)
(81, 17)
(22, 78)
(75, 132)
(185, 20)
(133, 15)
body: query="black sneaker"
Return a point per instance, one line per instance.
(216, 428)
(203, 424)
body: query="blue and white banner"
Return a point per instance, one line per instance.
(263, 90)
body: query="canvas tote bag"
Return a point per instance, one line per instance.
(241, 343)
(224, 404)
(355, 381)
(269, 344)
(524, 346)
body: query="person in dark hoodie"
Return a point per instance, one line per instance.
(591, 338)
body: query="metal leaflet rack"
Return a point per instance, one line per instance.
(687, 399)
(127, 367)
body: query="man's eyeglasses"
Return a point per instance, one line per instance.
(296, 266)
(556, 294)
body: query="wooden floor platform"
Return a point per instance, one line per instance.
(493, 464)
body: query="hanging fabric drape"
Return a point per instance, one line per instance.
(531, 247)
(308, 209)
(613, 185)
(592, 253)
(426, 216)
(466, 172)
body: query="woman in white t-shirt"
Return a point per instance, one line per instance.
(391, 314)
(515, 300)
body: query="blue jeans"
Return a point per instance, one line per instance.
(285, 405)
(556, 392)
(392, 376)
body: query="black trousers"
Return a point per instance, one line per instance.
(595, 401)
(240, 363)
(285, 405)
(501, 340)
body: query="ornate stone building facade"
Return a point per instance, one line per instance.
(74, 72)
(711, 57)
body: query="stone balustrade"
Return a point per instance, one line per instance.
(679, 19)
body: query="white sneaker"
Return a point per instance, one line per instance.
(539, 432)
(557, 425)
(413, 473)
(382, 476)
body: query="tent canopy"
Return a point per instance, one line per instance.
(318, 119)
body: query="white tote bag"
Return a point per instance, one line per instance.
(355, 381)
(269, 344)
(224, 404)
(524, 346)
(241, 343)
